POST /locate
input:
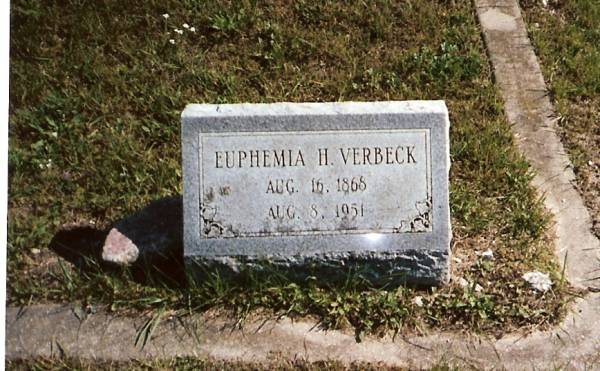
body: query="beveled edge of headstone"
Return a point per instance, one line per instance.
(314, 108)
(423, 258)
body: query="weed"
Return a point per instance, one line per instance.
(228, 23)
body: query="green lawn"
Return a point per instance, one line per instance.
(96, 93)
(566, 35)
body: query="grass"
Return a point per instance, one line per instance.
(566, 35)
(96, 93)
(186, 363)
(189, 363)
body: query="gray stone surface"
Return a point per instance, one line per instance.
(257, 188)
(47, 331)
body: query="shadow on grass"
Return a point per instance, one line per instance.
(347, 297)
(156, 230)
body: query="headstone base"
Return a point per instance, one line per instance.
(412, 267)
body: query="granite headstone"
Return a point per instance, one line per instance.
(324, 186)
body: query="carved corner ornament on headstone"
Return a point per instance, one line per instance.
(325, 185)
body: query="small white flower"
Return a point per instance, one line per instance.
(55, 134)
(185, 25)
(193, 29)
(165, 16)
(35, 251)
(172, 41)
(538, 280)
(178, 31)
(418, 301)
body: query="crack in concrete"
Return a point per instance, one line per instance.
(574, 344)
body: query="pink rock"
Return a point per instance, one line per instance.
(119, 249)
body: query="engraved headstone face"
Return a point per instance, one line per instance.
(337, 184)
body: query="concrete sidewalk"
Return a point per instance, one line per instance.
(58, 331)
